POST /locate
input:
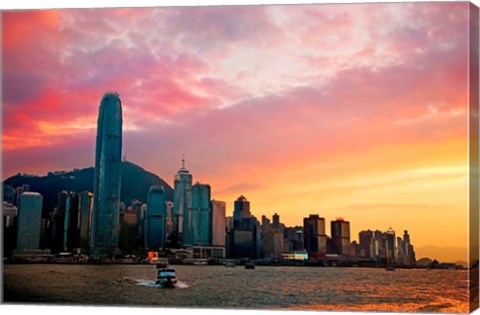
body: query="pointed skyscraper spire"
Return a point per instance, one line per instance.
(183, 160)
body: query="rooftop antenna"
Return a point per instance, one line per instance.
(183, 160)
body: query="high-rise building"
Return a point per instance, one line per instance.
(265, 224)
(107, 177)
(340, 233)
(128, 231)
(169, 222)
(85, 210)
(58, 218)
(241, 210)
(218, 223)
(10, 228)
(315, 239)
(72, 223)
(29, 215)
(197, 219)
(182, 197)
(391, 246)
(272, 243)
(365, 246)
(155, 219)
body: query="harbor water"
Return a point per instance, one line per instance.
(266, 287)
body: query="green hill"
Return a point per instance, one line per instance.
(135, 184)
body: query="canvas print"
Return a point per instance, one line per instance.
(299, 157)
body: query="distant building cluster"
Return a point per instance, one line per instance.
(192, 225)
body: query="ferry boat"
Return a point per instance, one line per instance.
(166, 277)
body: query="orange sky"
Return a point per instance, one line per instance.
(303, 109)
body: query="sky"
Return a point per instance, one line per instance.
(354, 110)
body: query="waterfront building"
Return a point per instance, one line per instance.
(72, 223)
(85, 212)
(197, 227)
(272, 243)
(354, 249)
(58, 217)
(315, 239)
(340, 234)
(155, 219)
(182, 198)
(10, 215)
(128, 231)
(391, 248)
(241, 210)
(29, 215)
(218, 223)
(107, 177)
(365, 244)
(200, 251)
(169, 222)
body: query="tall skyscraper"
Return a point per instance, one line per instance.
(29, 215)
(198, 217)
(218, 223)
(182, 197)
(241, 210)
(85, 205)
(340, 233)
(315, 239)
(106, 195)
(155, 219)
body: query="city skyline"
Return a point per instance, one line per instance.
(339, 132)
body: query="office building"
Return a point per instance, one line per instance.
(241, 210)
(218, 223)
(340, 234)
(85, 213)
(366, 246)
(272, 243)
(197, 227)
(128, 231)
(72, 223)
(315, 239)
(155, 219)
(182, 198)
(29, 215)
(107, 177)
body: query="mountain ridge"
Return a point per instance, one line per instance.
(136, 181)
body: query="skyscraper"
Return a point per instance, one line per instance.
(155, 219)
(29, 215)
(106, 195)
(241, 210)
(340, 233)
(314, 236)
(218, 223)
(85, 204)
(198, 217)
(182, 197)
(366, 246)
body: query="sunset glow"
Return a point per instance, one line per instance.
(355, 110)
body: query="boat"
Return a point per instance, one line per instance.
(249, 265)
(166, 277)
(230, 265)
(390, 268)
